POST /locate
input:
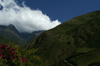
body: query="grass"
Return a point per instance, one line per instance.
(87, 58)
(79, 35)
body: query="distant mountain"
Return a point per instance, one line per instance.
(73, 43)
(29, 36)
(12, 33)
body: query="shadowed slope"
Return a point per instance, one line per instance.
(12, 33)
(70, 39)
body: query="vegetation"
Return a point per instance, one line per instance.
(11, 33)
(11, 55)
(75, 42)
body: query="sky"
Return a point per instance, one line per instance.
(24, 18)
(64, 10)
(36, 15)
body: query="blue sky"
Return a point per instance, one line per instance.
(37, 15)
(64, 10)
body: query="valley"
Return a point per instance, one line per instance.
(73, 43)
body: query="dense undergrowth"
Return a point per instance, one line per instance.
(12, 55)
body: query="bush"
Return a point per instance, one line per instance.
(10, 57)
(13, 55)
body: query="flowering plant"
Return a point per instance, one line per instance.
(8, 54)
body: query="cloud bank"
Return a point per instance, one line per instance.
(24, 18)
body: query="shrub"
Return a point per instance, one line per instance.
(10, 57)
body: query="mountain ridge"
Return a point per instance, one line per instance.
(72, 38)
(12, 33)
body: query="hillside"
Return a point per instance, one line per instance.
(4, 40)
(73, 43)
(10, 32)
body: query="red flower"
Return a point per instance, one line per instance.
(9, 48)
(1, 55)
(12, 49)
(0, 50)
(11, 57)
(8, 53)
(23, 59)
(15, 60)
(11, 53)
(2, 46)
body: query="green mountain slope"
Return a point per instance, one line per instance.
(12, 33)
(71, 43)
(9, 35)
(4, 40)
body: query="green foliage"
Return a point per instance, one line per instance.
(73, 43)
(4, 40)
(86, 58)
(12, 55)
(32, 59)
(12, 34)
(76, 38)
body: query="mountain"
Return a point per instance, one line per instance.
(29, 36)
(12, 33)
(73, 43)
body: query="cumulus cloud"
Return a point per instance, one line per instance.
(24, 18)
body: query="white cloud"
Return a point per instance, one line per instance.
(24, 18)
